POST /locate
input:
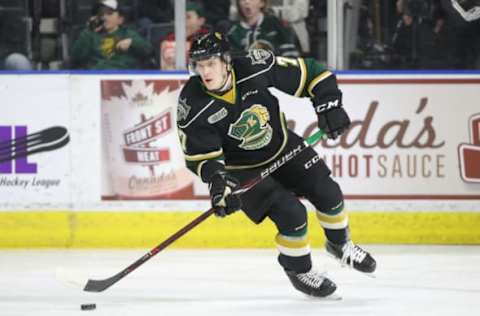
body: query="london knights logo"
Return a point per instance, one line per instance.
(252, 128)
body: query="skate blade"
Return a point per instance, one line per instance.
(371, 275)
(335, 296)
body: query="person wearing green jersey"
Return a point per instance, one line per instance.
(258, 29)
(107, 44)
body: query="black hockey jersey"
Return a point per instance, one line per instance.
(244, 128)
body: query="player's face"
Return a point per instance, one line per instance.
(212, 71)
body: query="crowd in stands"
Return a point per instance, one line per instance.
(426, 34)
(139, 34)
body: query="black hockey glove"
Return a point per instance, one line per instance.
(332, 118)
(221, 186)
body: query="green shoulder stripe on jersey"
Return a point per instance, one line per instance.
(316, 72)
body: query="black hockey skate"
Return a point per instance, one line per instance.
(352, 255)
(313, 284)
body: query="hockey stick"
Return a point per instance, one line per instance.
(102, 285)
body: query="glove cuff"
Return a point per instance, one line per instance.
(210, 168)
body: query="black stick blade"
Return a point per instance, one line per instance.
(101, 285)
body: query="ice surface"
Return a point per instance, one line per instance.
(410, 280)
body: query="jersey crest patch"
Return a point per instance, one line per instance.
(258, 56)
(218, 116)
(183, 109)
(252, 128)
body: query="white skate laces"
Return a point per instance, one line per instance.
(352, 252)
(311, 278)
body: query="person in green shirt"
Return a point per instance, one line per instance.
(107, 44)
(258, 29)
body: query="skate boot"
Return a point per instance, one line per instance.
(352, 255)
(313, 283)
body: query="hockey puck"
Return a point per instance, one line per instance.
(88, 307)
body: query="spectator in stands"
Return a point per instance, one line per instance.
(258, 29)
(153, 12)
(369, 51)
(107, 44)
(419, 41)
(295, 12)
(463, 22)
(216, 13)
(17, 61)
(195, 24)
(12, 44)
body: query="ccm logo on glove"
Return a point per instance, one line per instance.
(327, 106)
(332, 118)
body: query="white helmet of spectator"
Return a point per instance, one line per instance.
(17, 61)
(113, 4)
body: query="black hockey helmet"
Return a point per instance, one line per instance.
(209, 45)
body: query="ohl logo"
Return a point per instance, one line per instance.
(16, 145)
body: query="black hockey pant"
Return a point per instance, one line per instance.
(277, 197)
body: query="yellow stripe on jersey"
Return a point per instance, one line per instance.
(337, 221)
(324, 75)
(293, 246)
(303, 77)
(206, 156)
(231, 95)
(199, 168)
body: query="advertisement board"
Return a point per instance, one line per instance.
(35, 134)
(412, 138)
(96, 157)
(140, 143)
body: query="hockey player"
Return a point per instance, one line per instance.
(231, 127)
